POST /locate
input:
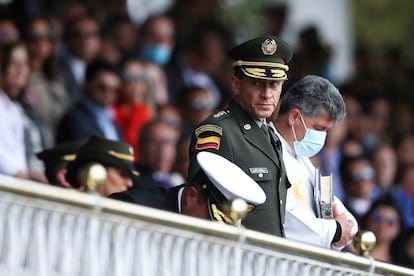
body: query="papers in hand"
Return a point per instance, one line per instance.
(323, 195)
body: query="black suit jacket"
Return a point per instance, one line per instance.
(146, 178)
(160, 198)
(68, 79)
(79, 123)
(241, 141)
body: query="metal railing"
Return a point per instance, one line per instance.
(46, 230)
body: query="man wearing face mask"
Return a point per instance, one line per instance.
(158, 41)
(307, 111)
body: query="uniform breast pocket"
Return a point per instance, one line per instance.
(267, 182)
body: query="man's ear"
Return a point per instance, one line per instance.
(192, 203)
(235, 84)
(189, 198)
(293, 115)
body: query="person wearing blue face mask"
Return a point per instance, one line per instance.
(307, 111)
(158, 39)
(312, 141)
(156, 53)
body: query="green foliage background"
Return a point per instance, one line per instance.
(244, 16)
(377, 24)
(382, 23)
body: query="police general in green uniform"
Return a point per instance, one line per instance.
(239, 132)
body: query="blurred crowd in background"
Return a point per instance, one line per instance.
(164, 76)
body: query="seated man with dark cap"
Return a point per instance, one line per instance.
(206, 194)
(117, 158)
(55, 160)
(240, 132)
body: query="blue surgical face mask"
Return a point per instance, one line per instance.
(159, 54)
(311, 143)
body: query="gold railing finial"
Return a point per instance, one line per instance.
(364, 242)
(237, 210)
(92, 176)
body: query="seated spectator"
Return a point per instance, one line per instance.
(385, 220)
(9, 33)
(93, 114)
(157, 151)
(205, 195)
(47, 91)
(351, 147)
(82, 42)
(170, 114)
(358, 182)
(15, 71)
(116, 157)
(195, 106)
(135, 105)
(12, 143)
(157, 37)
(384, 160)
(158, 83)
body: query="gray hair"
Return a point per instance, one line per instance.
(313, 95)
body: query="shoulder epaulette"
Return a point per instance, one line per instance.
(221, 113)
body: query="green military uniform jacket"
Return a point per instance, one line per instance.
(235, 135)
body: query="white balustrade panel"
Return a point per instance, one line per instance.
(40, 237)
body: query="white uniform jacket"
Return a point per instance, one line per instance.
(301, 222)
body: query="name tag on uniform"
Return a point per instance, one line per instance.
(258, 170)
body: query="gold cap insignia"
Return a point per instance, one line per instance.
(69, 157)
(269, 47)
(120, 155)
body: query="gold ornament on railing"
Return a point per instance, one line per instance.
(364, 242)
(237, 210)
(92, 176)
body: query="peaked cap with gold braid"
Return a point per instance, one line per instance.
(60, 153)
(107, 152)
(264, 57)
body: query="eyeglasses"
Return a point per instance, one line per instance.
(85, 34)
(105, 87)
(8, 35)
(34, 37)
(201, 104)
(377, 218)
(132, 77)
(161, 142)
(363, 175)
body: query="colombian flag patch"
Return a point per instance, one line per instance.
(211, 142)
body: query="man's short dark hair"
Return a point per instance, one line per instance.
(98, 65)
